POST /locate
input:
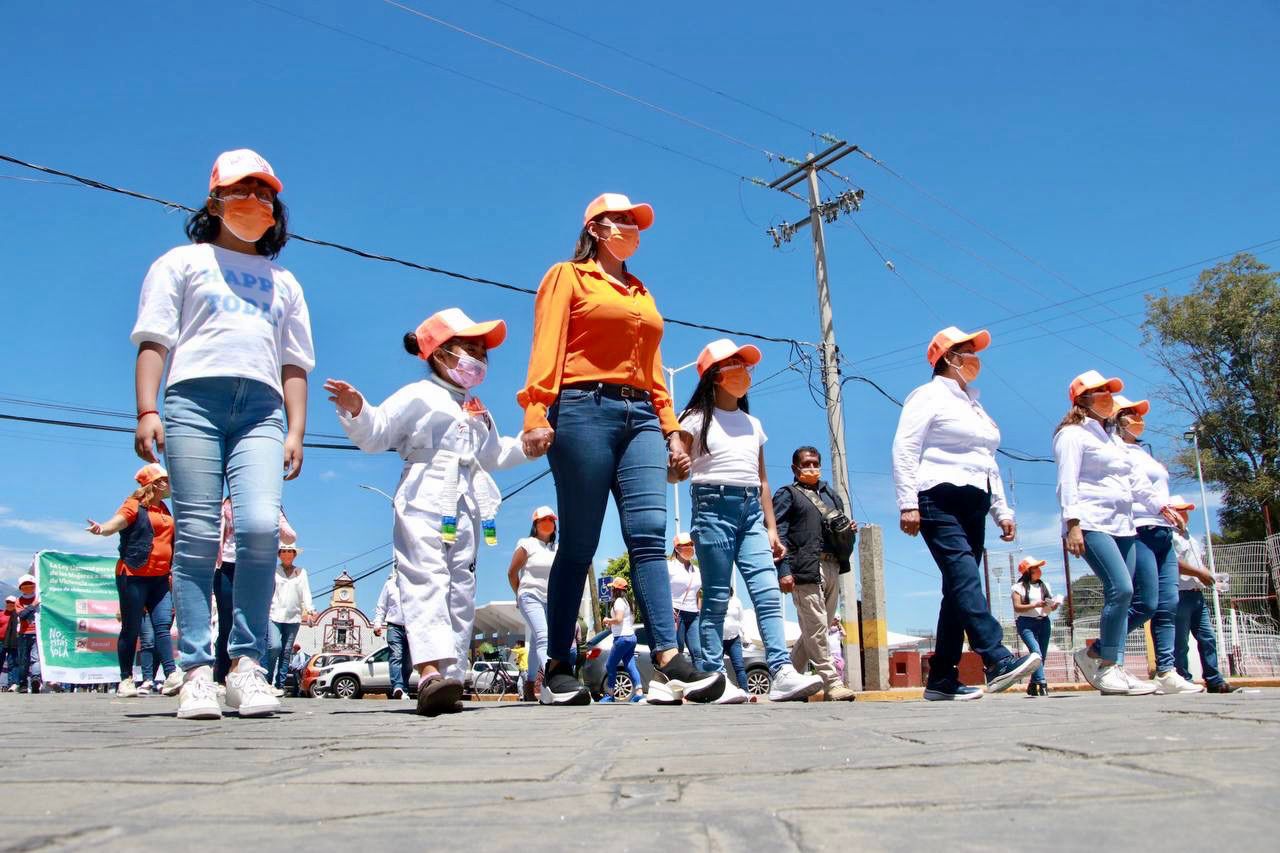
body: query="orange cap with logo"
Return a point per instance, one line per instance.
(148, 474)
(683, 539)
(1123, 403)
(619, 583)
(1181, 504)
(718, 351)
(619, 203)
(232, 166)
(452, 323)
(1029, 563)
(953, 337)
(1092, 380)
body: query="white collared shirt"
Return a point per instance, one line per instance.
(1158, 476)
(685, 583)
(1097, 481)
(945, 436)
(292, 596)
(388, 610)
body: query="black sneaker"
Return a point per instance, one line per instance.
(680, 679)
(1010, 671)
(1220, 687)
(1043, 688)
(951, 690)
(560, 687)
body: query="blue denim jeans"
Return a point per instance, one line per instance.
(953, 522)
(224, 430)
(622, 654)
(399, 663)
(733, 649)
(26, 654)
(11, 666)
(1193, 617)
(1034, 632)
(280, 639)
(144, 600)
(688, 635)
(605, 446)
(1113, 559)
(534, 611)
(728, 527)
(1155, 590)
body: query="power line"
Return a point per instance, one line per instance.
(580, 77)
(361, 253)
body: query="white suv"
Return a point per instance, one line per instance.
(353, 679)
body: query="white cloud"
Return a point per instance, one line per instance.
(328, 475)
(56, 532)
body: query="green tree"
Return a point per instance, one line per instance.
(1221, 345)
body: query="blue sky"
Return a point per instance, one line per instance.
(1105, 143)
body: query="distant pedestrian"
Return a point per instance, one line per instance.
(622, 654)
(686, 591)
(9, 624)
(224, 577)
(143, 576)
(22, 677)
(447, 501)
(1033, 601)
(388, 616)
(528, 574)
(808, 514)
(1194, 618)
(731, 640)
(233, 329)
(290, 610)
(948, 482)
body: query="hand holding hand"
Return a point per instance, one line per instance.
(537, 441)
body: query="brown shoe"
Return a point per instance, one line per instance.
(839, 693)
(439, 696)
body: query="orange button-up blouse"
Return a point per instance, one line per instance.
(588, 329)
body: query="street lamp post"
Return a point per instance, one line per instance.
(1194, 436)
(671, 389)
(377, 491)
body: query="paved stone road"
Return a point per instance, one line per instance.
(1071, 771)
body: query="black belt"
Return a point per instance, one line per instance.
(611, 390)
(747, 491)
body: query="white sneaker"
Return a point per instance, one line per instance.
(1113, 681)
(277, 691)
(127, 689)
(197, 697)
(732, 695)
(173, 683)
(1170, 682)
(249, 693)
(13, 688)
(1089, 667)
(144, 689)
(790, 686)
(1140, 684)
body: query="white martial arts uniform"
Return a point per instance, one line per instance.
(448, 453)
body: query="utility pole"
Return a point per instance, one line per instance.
(819, 211)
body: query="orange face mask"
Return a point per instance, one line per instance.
(247, 217)
(969, 366)
(1102, 406)
(1135, 426)
(735, 379)
(621, 241)
(546, 527)
(808, 476)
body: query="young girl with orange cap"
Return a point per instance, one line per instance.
(733, 519)
(446, 500)
(1032, 603)
(1098, 488)
(143, 575)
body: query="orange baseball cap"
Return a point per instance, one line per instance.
(683, 539)
(718, 351)
(953, 337)
(452, 323)
(1122, 403)
(1181, 504)
(1029, 563)
(619, 583)
(232, 166)
(617, 203)
(148, 474)
(544, 512)
(1092, 380)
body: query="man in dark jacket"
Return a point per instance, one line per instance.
(810, 571)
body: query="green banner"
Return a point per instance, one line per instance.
(76, 627)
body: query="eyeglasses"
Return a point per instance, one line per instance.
(621, 226)
(262, 194)
(737, 365)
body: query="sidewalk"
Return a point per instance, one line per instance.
(1071, 771)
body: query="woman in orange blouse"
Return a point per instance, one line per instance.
(595, 403)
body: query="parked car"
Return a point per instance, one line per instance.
(353, 679)
(759, 681)
(316, 665)
(481, 676)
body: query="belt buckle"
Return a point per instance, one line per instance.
(627, 392)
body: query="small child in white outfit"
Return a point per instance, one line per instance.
(446, 500)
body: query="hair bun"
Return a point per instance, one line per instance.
(411, 343)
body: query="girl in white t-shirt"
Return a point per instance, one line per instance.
(733, 514)
(1033, 601)
(234, 330)
(623, 652)
(528, 575)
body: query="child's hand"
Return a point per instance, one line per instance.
(345, 396)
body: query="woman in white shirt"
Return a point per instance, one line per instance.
(947, 480)
(290, 607)
(234, 329)
(1155, 577)
(528, 574)
(733, 519)
(622, 653)
(1033, 601)
(1098, 487)
(686, 586)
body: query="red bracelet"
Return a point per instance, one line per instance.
(142, 415)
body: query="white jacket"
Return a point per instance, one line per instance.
(1155, 473)
(1098, 482)
(945, 436)
(387, 610)
(292, 597)
(448, 452)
